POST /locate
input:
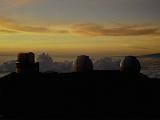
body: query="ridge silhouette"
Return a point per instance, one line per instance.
(91, 94)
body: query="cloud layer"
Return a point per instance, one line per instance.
(12, 26)
(98, 30)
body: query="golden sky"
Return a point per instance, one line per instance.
(72, 27)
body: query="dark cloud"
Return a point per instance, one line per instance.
(98, 30)
(106, 63)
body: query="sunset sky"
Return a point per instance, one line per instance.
(72, 27)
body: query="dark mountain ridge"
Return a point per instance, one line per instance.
(156, 55)
(84, 95)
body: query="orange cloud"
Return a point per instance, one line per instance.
(98, 30)
(7, 31)
(11, 25)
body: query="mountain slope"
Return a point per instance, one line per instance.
(157, 55)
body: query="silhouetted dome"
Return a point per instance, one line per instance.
(130, 65)
(83, 64)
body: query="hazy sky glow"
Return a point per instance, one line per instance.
(71, 27)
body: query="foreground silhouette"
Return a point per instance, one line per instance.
(80, 95)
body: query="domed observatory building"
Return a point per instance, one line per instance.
(130, 65)
(83, 64)
(26, 63)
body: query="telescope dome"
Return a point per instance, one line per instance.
(83, 64)
(130, 65)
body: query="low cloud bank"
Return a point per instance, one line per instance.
(47, 64)
(106, 63)
(150, 67)
(8, 67)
